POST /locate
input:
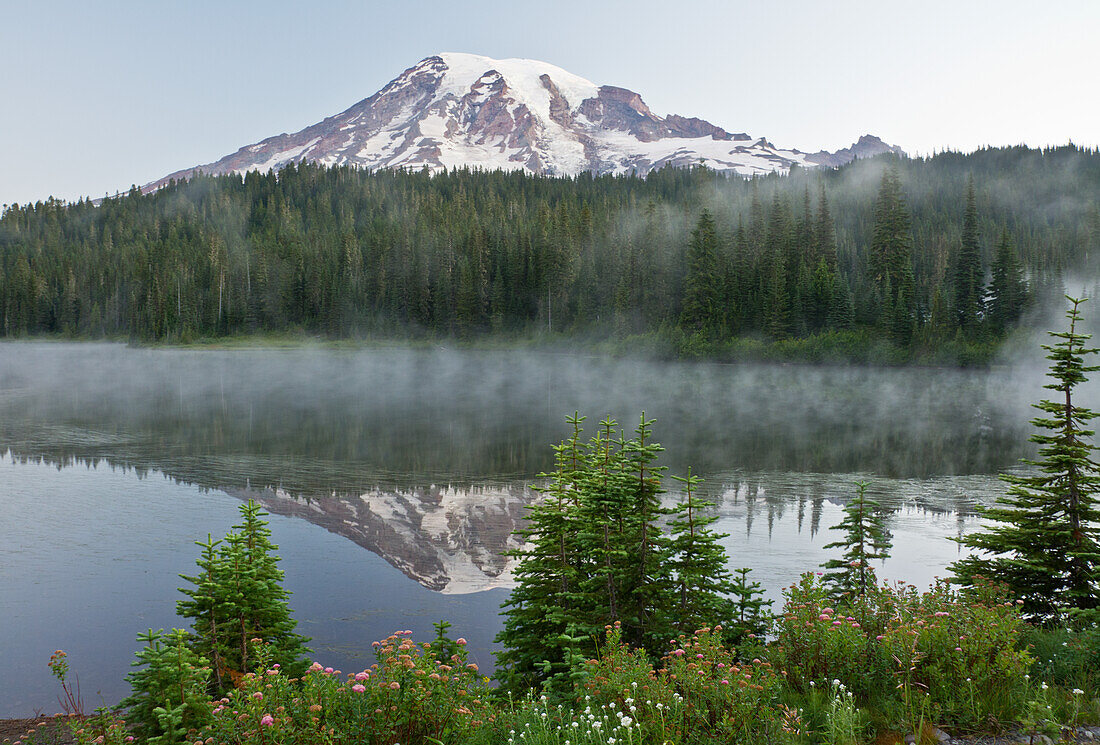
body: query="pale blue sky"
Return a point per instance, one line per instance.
(100, 95)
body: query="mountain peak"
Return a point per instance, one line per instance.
(456, 109)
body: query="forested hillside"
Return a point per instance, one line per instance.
(913, 254)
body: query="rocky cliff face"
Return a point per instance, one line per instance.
(462, 110)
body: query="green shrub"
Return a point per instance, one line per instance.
(953, 658)
(702, 694)
(410, 695)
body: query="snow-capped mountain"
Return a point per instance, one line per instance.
(454, 110)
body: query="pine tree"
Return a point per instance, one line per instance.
(968, 268)
(595, 554)
(891, 248)
(751, 614)
(265, 613)
(238, 596)
(702, 304)
(1045, 543)
(866, 539)
(209, 607)
(1007, 290)
(536, 635)
(703, 581)
(168, 693)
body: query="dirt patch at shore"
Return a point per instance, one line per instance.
(44, 730)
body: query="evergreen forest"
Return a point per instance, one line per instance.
(926, 258)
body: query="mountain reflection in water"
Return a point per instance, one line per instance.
(427, 457)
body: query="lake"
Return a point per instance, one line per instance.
(396, 477)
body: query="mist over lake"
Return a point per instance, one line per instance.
(396, 477)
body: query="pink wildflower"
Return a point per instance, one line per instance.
(267, 720)
(258, 696)
(362, 676)
(358, 688)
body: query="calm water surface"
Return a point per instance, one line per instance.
(395, 478)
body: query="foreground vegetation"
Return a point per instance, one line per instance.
(881, 260)
(892, 663)
(607, 638)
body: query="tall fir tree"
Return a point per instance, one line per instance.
(537, 635)
(891, 250)
(1044, 543)
(1007, 289)
(968, 277)
(702, 309)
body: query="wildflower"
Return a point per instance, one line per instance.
(460, 642)
(358, 688)
(267, 720)
(329, 671)
(258, 696)
(1078, 692)
(316, 666)
(395, 685)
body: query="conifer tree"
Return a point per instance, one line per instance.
(702, 303)
(968, 267)
(751, 612)
(891, 248)
(595, 554)
(866, 539)
(538, 613)
(208, 607)
(168, 692)
(1044, 545)
(703, 581)
(1007, 289)
(238, 596)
